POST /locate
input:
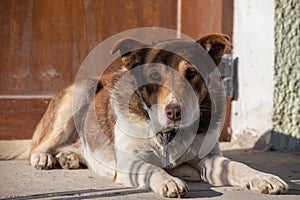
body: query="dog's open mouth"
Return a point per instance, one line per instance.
(170, 133)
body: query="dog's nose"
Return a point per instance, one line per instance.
(173, 112)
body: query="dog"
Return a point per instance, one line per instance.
(129, 120)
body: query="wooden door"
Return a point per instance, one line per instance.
(43, 42)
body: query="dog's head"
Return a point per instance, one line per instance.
(170, 85)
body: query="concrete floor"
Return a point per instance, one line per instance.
(20, 181)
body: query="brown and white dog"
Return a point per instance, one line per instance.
(129, 146)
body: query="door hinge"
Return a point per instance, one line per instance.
(229, 73)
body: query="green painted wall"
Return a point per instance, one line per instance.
(286, 134)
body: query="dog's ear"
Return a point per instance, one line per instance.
(215, 45)
(132, 52)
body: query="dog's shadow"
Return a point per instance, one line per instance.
(294, 188)
(201, 190)
(80, 194)
(195, 192)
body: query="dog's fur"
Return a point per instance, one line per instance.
(56, 140)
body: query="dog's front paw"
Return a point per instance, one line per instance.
(174, 188)
(68, 160)
(41, 160)
(268, 184)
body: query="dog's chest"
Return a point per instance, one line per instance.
(180, 150)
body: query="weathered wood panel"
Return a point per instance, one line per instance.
(202, 17)
(18, 117)
(43, 42)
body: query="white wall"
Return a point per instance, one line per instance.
(253, 41)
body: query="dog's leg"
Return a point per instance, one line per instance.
(132, 171)
(56, 129)
(218, 170)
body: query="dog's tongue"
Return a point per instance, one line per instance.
(165, 157)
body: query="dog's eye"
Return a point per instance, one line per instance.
(190, 73)
(155, 76)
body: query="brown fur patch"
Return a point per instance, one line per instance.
(215, 45)
(182, 67)
(162, 95)
(46, 133)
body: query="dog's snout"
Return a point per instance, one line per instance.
(173, 112)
